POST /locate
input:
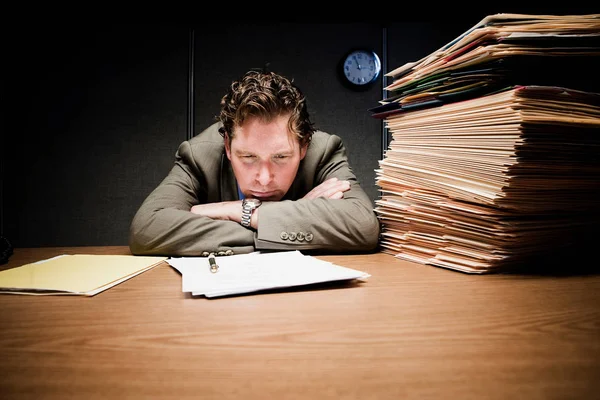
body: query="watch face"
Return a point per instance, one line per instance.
(362, 67)
(253, 202)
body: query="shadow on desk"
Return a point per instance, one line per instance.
(314, 287)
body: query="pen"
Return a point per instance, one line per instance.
(213, 263)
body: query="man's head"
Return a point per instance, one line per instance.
(267, 130)
(265, 95)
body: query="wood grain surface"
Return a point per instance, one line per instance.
(410, 331)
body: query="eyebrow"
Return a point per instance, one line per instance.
(282, 152)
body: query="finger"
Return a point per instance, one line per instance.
(318, 190)
(197, 209)
(341, 186)
(337, 191)
(345, 186)
(328, 184)
(328, 188)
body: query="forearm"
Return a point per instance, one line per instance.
(348, 224)
(176, 232)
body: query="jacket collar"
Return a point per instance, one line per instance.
(228, 182)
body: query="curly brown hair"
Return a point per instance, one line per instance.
(265, 95)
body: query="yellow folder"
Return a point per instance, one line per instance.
(77, 274)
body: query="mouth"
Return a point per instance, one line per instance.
(264, 196)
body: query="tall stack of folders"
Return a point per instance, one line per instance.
(494, 154)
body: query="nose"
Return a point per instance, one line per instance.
(265, 175)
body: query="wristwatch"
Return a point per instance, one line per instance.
(248, 207)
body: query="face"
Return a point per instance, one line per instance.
(265, 157)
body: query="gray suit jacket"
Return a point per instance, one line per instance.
(202, 173)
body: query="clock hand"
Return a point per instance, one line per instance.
(358, 64)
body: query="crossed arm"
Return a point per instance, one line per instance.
(332, 188)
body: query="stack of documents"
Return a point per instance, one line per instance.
(490, 182)
(255, 272)
(486, 183)
(501, 50)
(78, 274)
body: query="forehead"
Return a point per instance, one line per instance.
(256, 135)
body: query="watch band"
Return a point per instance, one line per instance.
(248, 207)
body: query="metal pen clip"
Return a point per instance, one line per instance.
(213, 263)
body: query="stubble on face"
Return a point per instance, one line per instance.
(265, 157)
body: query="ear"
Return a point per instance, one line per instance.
(228, 146)
(303, 149)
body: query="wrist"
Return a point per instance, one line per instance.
(248, 217)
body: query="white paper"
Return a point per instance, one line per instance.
(252, 272)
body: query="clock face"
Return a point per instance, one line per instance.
(362, 67)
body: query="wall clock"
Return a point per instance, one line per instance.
(360, 68)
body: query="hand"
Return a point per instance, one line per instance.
(226, 210)
(332, 188)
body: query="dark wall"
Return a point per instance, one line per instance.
(92, 119)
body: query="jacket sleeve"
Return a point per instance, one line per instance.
(164, 224)
(334, 225)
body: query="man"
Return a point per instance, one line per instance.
(261, 178)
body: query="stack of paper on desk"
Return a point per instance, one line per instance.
(79, 274)
(495, 152)
(487, 183)
(501, 50)
(253, 272)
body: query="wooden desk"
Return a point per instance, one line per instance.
(411, 331)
